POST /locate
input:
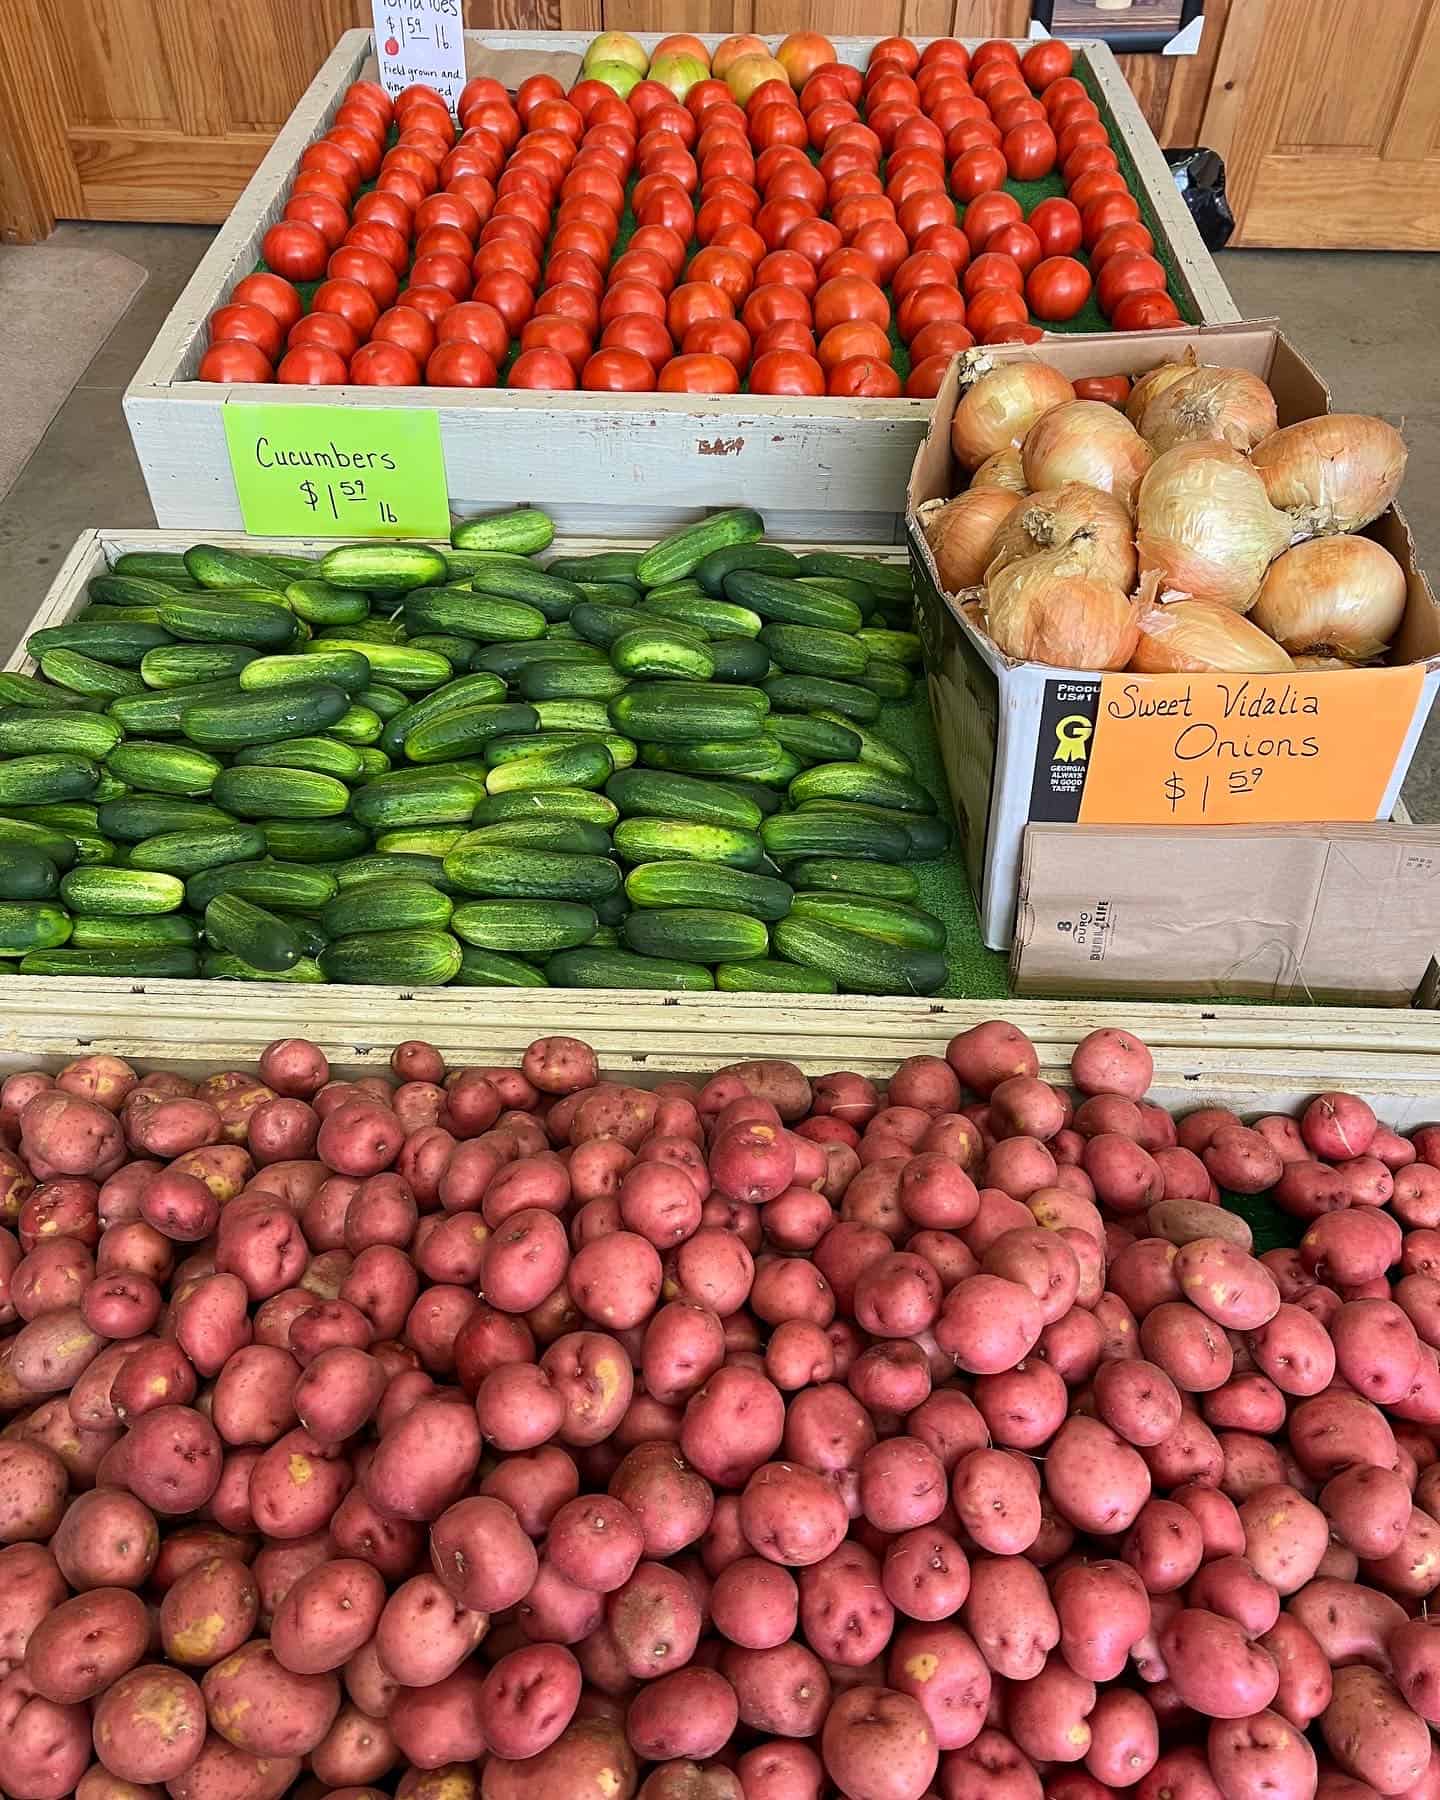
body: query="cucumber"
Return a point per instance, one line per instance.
(382, 568)
(315, 840)
(527, 582)
(890, 680)
(40, 780)
(185, 665)
(762, 975)
(525, 927)
(749, 756)
(589, 717)
(377, 629)
(393, 959)
(318, 755)
(158, 712)
(482, 618)
(345, 669)
(186, 853)
(831, 834)
(163, 768)
(480, 867)
(893, 646)
(219, 965)
(607, 968)
(707, 884)
(525, 530)
(85, 734)
(507, 660)
(277, 886)
(782, 770)
(122, 643)
(838, 875)
(779, 601)
(890, 920)
(928, 833)
(674, 712)
(134, 817)
(600, 622)
(100, 890)
(812, 739)
(358, 727)
(873, 748)
(131, 962)
(58, 847)
(244, 719)
(467, 690)
(661, 652)
(260, 938)
(455, 650)
(488, 968)
(640, 840)
(865, 782)
(318, 603)
(29, 691)
(387, 702)
(411, 797)
(571, 681)
(84, 675)
(465, 731)
(658, 794)
(116, 933)
(587, 764)
(571, 835)
(888, 578)
(581, 805)
(806, 650)
(769, 559)
(861, 593)
(27, 925)
(695, 934)
(263, 625)
(864, 965)
(153, 565)
(684, 550)
(386, 905)
(603, 565)
(436, 841)
(283, 793)
(739, 659)
(219, 569)
(380, 867)
(26, 874)
(698, 612)
(395, 665)
(755, 792)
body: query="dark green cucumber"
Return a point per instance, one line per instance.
(695, 934)
(26, 874)
(748, 756)
(396, 665)
(411, 797)
(839, 875)
(525, 927)
(315, 840)
(581, 805)
(524, 530)
(864, 965)
(358, 727)
(769, 559)
(929, 833)
(674, 712)
(834, 834)
(65, 733)
(345, 669)
(219, 965)
(318, 755)
(58, 847)
(27, 925)
(573, 836)
(260, 938)
(676, 555)
(763, 975)
(152, 565)
(379, 867)
(812, 693)
(224, 570)
(738, 659)
(124, 644)
(571, 681)
(164, 768)
(41, 780)
(528, 582)
(455, 650)
(812, 739)
(277, 886)
(780, 601)
(489, 968)
(284, 793)
(607, 968)
(482, 618)
(890, 680)
(84, 675)
(387, 702)
(507, 660)
(707, 884)
(873, 748)
(234, 723)
(755, 792)
(185, 665)
(130, 962)
(320, 604)
(888, 578)
(382, 568)
(386, 905)
(186, 853)
(806, 650)
(601, 622)
(466, 731)
(386, 630)
(893, 646)
(603, 565)
(393, 959)
(865, 782)
(158, 712)
(99, 933)
(699, 612)
(910, 927)
(29, 691)
(135, 817)
(263, 625)
(658, 794)
(586, 764)
(861, 593)
(466, 690)
(660, 652)
(511, 873)
(102, 890)
(639, 840)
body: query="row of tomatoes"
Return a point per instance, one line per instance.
(778, 290)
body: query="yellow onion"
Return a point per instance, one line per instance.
(961, 533)
(1093, 525)
(1050, 609)
(1154, 382)
(1000, 404)
(1196, 637)
(1333, 596)
(1086, 441)
(1003, 470)
(1333, 473)
(1223, 406)
(1323, 662)
(1204, 525)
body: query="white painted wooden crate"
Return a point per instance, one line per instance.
(636, 464)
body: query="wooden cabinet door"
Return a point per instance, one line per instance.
(1328, 117)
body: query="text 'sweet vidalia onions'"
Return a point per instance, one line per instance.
(1333, 596)
(1201, 404)
(1087, 441)
(1004, 470)
(1050, 609)
(1204, 525)
(961, 534)
(1093, 526)
(1197, 637)
(1333, 473)
(999, 406)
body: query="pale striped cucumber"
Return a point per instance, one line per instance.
(116, 931)
(909, 927)
(219, 965)
(127, 962)
(490, 968)
(24, 731)
(386, 905)
(318, 755)
(607, 968)
(346, 669)
(836, 875)
(105, 890)
(41, 780)
(525, 927)
(27, 925)
(393, 959)
(186, 853)
(764, 975)
(866, 783)
(587, 764)
(865, 965)
(707, 884)
(580, 804)
(640, 840)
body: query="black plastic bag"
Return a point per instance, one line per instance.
(1200, 177)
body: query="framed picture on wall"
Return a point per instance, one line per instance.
(1126, 25)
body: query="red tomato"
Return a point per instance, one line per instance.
(720, 213)
(699, 373)
(885, 122)
(1145, 310)
(496, 117)
(895, 49)
(533, 90)
(994, 50)
(643, 265)
(1092, 183)
(475, 190)
(509, 293)
(738, 197)
(798, 181)
(616, 370)
(461, 364)
(1013, 331)
(438, 240)
(384, 365)
(918, 133)
(581, 235)
(577, 269)
(776, 124)
(1029, 151)
(406, 160)
(247, 321)
(1061, 92)
(765, 305)
(777, 157)
(597, 183)
(371, 94)
(820, 87)
(853, 337)
(943, 337)
(1114, 390)
(850, 159)
(312, 366)
(1127, 272)
(674, 163)
(990, 269)
(1129, 234)
(1022, 111)
(521, 203)
(1109, 209)
(722, 134)
(361, 145)
(355, 304)
(321, 181)
(328, 216)
(776, 219)
(850, 297)
(972, 134)
(400, 181)
(725, 269)
(992, 307)
(978, 171)
(481, 88)
(920, 269)
(477, 153)
(295, 250)
(864, 378)
(744, 238)
(815, 239)
(1045, 62)
(923, 381)
(696, 300)
(914, 178)
(1056, 223)
(1057, 288)
(505, 253)
(587, 209)
(848, 261)
(434, 302)
(407, 327)
(585, 96)
(473, 322)
(854, 181)
(789, 267)
(631, 296)
(518, 231)
(553, 331)
(235, 360)
(885, 245)
(570, 301)
(440, 269)
(947, 52)
(388, 243)
(324, 331)
(1019, 243)
(856, 211)
(1088, 156)
(1079, 132)
(854, 136)
(948, 241)
(706, 95)
(670, 206)
(937, 302)
(985, 215)
(1071, 113)
(729, 158)
(332, 158)
(719, 337)
(786, 334)
(921, 211)
(642, 332)
(352, 263)
(555, 113)
(274, 293)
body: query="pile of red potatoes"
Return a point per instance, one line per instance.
(512, 1434)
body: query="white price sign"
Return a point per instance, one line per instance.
(421, 40)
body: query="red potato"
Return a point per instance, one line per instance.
(653, 1621)
(879, 1745)
(671, 1503)
(1137, 1400)
(150, 1725)
(1257, 1757)
(528, 1698)
(902, 1485)
(441, 1723)
(296, 1485)
(590, 1760)
(1305, 1676)
(1010, 1616)
(424, 1634)
(988, 1054)
(1047, 1717)
(44, 1748)
(326, 1616)
(1232, 1587)
(1214, 1668)
(755, 1603)
(425, 1461)
(1192, 1350)
(1376, 1349)
(1024, 1407)
(794, 1516)
(989, 1324)
(691, 1713)
(1124, 1739)
(1368, 1509)
(1097, 1482)
(1165, 1546)
(1372, 1734)
(209, 1612)
(1351, 1624)
(85, 1645)
(997, 1501)
(482, 1555)
(1285, 1537)
(1104, 1611)
(595, 1378)
(733, 1425)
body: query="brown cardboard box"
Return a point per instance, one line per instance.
(1022, 742)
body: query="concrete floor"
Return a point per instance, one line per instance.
(1368, 322)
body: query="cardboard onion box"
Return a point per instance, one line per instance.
(1024, 742)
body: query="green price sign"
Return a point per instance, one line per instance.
(338, 471)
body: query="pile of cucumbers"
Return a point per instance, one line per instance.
(404, 765)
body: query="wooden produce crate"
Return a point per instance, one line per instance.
(633, 464)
